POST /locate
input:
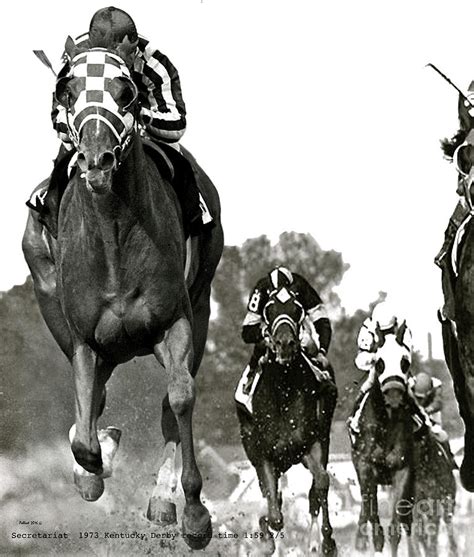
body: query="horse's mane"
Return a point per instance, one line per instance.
(449, 146)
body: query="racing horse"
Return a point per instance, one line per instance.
(458, 334)
(383, 448)
(293, 406)
(434, 494)
(119, 281)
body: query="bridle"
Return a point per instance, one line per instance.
(283, 296)
(96, 68)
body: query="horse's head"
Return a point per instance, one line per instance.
(391, 369)
(283, 315)
(100, 99)
(463, 158)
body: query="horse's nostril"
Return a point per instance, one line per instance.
(106, 161)
(81, 162)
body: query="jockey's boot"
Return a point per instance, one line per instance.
(187, 175)
(46, 201)
(252, 371)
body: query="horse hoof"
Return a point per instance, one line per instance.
(378, 543)
(466, 473)
(89, 486)
(329, 548)
(199, 534)
(361, 543)
(161, 512)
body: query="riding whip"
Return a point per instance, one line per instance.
(445, 77)
(42, 56)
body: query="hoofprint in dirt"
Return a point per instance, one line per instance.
(37, 496)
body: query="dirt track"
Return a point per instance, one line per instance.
(39, 489)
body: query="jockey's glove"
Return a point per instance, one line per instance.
(321, 360)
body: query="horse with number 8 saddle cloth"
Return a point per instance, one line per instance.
(292, 408)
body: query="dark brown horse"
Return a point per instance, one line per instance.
(383, 449)
(458, 336)
(293, 406)
(118, 283)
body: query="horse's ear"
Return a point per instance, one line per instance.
(466, 121)
(70, 47)
(124, 91)
(126, 50)
(61, 92)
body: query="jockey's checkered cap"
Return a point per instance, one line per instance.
(281, 276)
(110, 26)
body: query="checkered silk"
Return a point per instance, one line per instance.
(95, 70)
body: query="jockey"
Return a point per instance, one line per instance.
(462, 209)
(162, 109)
(372, 335)
(427, 391)
(316, 330)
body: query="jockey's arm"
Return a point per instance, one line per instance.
(253, 325)
(162, 107)
(322, 326)
(252, 328)
(367, 340)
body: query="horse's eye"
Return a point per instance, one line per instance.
(379, 366)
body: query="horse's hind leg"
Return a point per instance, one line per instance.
(175, 353)
(316, 461)
(161, 507)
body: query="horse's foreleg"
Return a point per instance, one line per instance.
(316, 461)
(93, 452)
(175, 353)
(400, 508)
(201, 313)
(272, 521)
(368, 509)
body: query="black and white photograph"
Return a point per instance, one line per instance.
(236, 292)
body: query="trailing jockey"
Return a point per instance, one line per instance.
(452, 149)
(428, 393)
(372, 336)
(315, 334)
(162, 115)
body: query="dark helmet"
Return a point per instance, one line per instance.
(280, 276)
(109, 27)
